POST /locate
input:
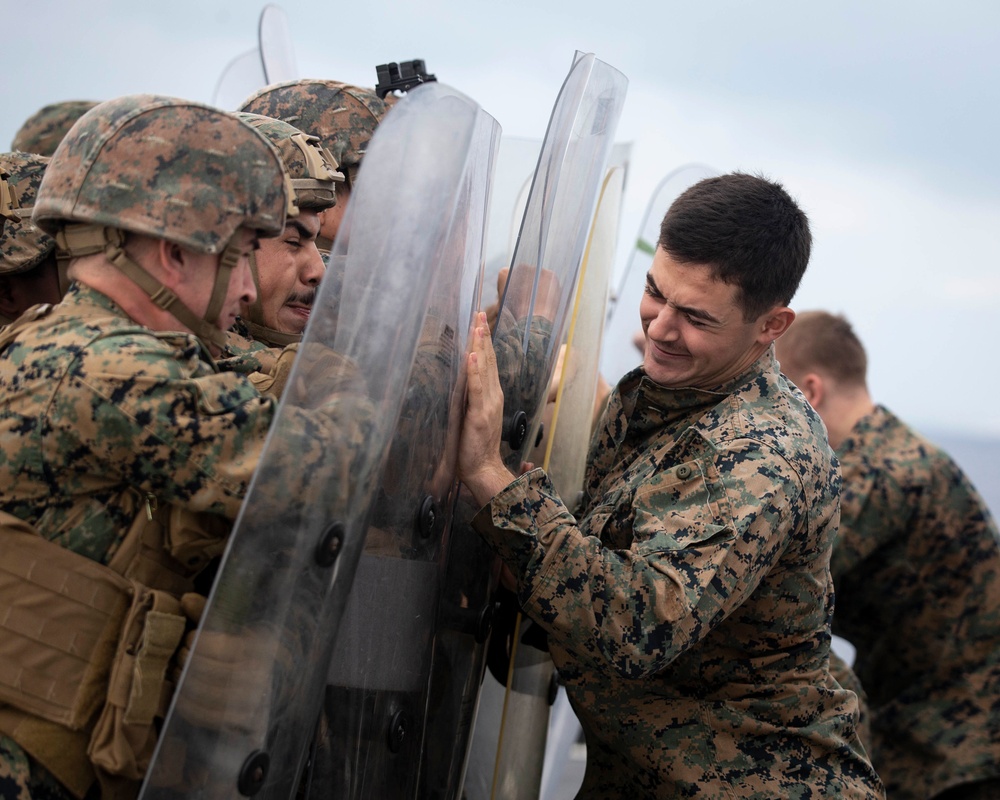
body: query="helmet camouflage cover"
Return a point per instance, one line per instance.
(23, 246)
(344, 117)
(167, 168)
(43, 130)
(171, 169)
(310, 166)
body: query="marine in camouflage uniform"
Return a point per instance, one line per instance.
(43, 130)
(28, 271)
(125, 445)
(287, 269)
(688, 602)
(343, 116)
(917, 573)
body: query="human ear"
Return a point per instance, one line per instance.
(775, 323)
(172, 258)
(813, 388)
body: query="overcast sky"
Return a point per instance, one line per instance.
(881, 118)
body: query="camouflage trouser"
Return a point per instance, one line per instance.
(22, 779)
(979, 790)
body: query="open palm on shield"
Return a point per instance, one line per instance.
(378, 692)
(247, 703)
(527, 332)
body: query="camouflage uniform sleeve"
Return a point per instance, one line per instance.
(704, 533)
(152, 412)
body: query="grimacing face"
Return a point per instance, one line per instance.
(289, 270)
(695, 334)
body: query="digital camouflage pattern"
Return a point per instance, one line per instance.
(43, 130)
(102, 419)
(344, 117)
(688, 605)
(97, 411)
(917, 571)
(203, 174)
(845, 676)
(23, 779)
(23, 245)
(311, 167)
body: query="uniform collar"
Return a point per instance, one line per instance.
(879, 420)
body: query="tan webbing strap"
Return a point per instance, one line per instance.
(79, 240)
(227, 263)
(8, 199)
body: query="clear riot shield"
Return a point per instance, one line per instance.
(271, 61)
(247, 704)
(510, 736)
(621, 352)
(378, 691)
(529, 326)
(277, 53)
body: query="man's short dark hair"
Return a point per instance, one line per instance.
(749, 230)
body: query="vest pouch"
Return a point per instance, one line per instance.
(138, 693)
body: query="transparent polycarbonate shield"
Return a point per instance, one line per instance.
(276, 50)
(516, 163)
(551, 242)
(246, 707)
(622, 350)
(509, 741)
(377, 695)
(553, 234)
(271, 61)
(241, 77)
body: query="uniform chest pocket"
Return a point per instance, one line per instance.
(682, 508)
(611, 520)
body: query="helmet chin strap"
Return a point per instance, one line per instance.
(255, 318)
(83, 240)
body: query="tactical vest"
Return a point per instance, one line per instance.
(85, 648)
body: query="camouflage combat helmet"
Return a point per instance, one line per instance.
(314, 175)
(344, 117)
(23, 245)
(43, 130)
(167, 168)
(311, 167)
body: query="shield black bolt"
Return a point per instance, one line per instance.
(253, 773)
(518, 430)
(397, 731)
(485, 623)
(428, 517)
(329, 545)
